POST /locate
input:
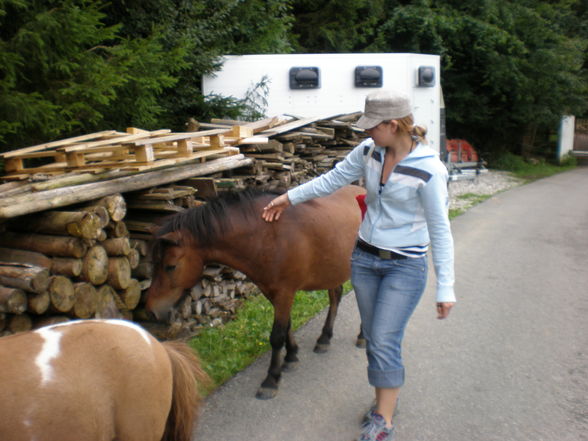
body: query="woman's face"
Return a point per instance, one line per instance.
(383, 134)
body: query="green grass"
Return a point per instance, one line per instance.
(228, 349)
(472, 198)
(532, 170)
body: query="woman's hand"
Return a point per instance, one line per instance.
(443, 309)
(273, 210)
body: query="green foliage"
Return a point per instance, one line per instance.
(508, 67)
(335, 25)
(530, 169)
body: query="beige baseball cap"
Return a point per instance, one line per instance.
(384, 105)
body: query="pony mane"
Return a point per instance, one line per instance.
(207, 222)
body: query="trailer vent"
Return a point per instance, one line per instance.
(368, 76)
(305, 78)
(426, 76)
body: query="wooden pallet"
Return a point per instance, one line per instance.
(134, 150)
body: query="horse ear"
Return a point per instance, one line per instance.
(171, 239)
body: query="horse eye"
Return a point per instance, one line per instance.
(170, 268)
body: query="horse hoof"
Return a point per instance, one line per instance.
(289, 366)
(361, 343)
(321, 348)
(265, 393)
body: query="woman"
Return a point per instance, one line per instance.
(406, 210)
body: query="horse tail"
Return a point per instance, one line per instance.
(188, 377)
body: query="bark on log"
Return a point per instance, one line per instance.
(2, 321)
(119, 272)
(61, 293)
(38, 303)
(66, 266)
(101, 212)
(24, 276)
(115, 205)
(141, 246)
(75, 223)
(117, 246)
(134, 258)
(61, 246)
(117, 229)
(12, 300)
(22, 256)
(95, 265)
(20, 323)
(86, 300)
(132, 295)
(105, 306)
(30, 203)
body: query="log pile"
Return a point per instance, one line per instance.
(75, 244)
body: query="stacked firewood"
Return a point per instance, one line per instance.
(74, 263)
(91, 258)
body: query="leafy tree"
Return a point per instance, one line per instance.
(63, 69)
(326, 26)
(509, 69)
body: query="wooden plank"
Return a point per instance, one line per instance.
(54, 144)
(178, 136)
(290, 126)
(117, 140)
(34, 202)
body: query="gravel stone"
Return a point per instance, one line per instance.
(487, 183)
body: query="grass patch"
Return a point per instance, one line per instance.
(228, 349)
(532, 170)
(472, 198)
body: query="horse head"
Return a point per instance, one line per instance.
(177, 266)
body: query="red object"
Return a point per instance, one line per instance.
(461, 151)
(361, 202)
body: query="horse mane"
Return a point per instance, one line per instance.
(207, 222)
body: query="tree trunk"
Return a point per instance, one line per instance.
(61, 246)
(105, 306)
(20, 323)
(22, 256)
(134, 258)
(132, 295)
(66, 266)
(115, 205)
(61, 293)
(95, 265)
(75, 223)
(39, 303)
(86, 300)
(117, 246)
(12, 300)
(119, 272)
(26, 277)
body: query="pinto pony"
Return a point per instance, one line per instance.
(97, 380)
(309, 248)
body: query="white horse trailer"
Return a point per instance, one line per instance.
(317, 85)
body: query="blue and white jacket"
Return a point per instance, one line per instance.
(406, 214)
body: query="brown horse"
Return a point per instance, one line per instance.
(97, 380)
(308, 249)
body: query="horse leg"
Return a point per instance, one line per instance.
(323, 342)
(282, 301)
(291, 358)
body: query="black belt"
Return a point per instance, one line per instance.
(382, 254)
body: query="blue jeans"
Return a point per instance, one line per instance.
(387, 293)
